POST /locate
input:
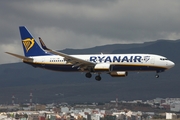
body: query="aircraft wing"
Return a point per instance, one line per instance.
(70, 59)
(20, 56)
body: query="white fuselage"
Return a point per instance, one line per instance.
(116, 65)
(122, 62)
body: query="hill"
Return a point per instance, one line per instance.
(19, 79)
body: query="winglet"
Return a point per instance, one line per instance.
(43, 44)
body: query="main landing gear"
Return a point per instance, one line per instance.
(89, 75)
(157, 75)
(98, 77)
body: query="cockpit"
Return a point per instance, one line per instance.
(163, 59)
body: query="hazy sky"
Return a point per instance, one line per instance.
(86, 23)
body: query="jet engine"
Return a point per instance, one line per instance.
(118, 73)
(102, 67)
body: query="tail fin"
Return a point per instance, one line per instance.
(30, 46)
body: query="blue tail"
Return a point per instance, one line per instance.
(30, 46)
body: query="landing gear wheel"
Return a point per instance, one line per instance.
(88, 75)
(157, 76)
(98, 77)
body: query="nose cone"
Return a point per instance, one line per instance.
(170, 64)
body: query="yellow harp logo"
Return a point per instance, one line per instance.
(28, 43)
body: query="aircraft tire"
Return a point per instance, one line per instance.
(98, 78)
(88, 75)
(157, 76)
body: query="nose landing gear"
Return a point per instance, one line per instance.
(157, 76)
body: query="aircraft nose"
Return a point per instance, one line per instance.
(171, 64)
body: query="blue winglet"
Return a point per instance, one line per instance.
(43, 44)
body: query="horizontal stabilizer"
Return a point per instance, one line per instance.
(20, 56)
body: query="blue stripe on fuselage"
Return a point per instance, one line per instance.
(55, 67)
(69, 68)
(136, 68)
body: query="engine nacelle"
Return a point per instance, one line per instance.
(102, 67)
(119, 73)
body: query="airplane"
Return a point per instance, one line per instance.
(116, 65)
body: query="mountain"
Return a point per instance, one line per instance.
(19, 79)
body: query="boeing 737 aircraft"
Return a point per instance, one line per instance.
(116, 65)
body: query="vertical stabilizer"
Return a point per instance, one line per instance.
(30, 46)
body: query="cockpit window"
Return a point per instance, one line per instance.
(163, 59)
